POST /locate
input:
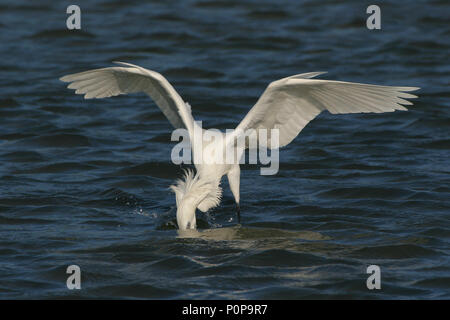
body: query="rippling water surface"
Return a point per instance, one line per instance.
(85, 182)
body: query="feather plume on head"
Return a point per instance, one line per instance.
(191, 193)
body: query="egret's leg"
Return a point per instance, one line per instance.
(238, 209)
(234, 180)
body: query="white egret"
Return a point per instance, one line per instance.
(288, 105)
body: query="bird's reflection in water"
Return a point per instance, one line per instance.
(293, 248)
(249, 233)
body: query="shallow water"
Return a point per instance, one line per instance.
(85, 182)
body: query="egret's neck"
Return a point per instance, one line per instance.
(186, 214)
(189, 194)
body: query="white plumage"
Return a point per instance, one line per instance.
(288, 104)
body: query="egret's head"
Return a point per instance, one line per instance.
(189, 193)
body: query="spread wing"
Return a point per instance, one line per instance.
(291, 103)
(113, 81)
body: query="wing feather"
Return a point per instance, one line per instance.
(291, 103)
(129, 78)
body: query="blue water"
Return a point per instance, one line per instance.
(86, 182)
